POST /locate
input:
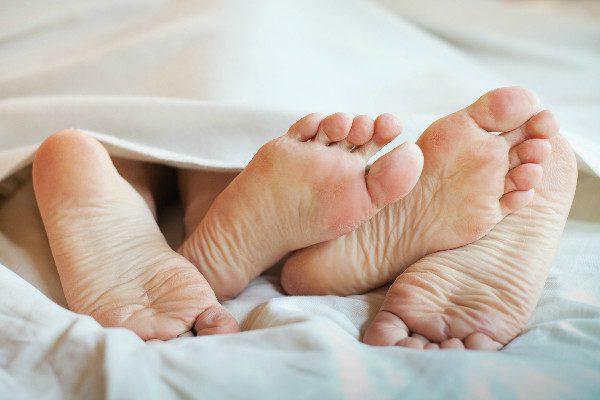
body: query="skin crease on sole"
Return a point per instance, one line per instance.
(116, 266)
(161, 291)
(305, 187)
(471, 180)
(480, 296)
(113, 262)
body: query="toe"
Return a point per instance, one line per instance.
(420, 338)
(334, 128)
(161, 294)
(530, 151)
(360, 133)
(395, 174)
(386, 128)
(306, 127)
(503, 109)
(411, 342)
(543, 125)
(514, 201)
(432, 346)
(481, 341)
(385, 330)
(453, 343)
(215, 320)
(523, 177)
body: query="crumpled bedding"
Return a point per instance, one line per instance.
(202, 84)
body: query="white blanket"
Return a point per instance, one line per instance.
(202, 84)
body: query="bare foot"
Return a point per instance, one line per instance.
(480, 296)
(305, 187)
(113, 262)
(472, 179)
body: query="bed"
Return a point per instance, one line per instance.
(202, 84)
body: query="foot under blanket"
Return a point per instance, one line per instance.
(202, 84)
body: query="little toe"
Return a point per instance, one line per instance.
(523, 177)
(385, 330)
(542, 125)
(333, 128)
(215, 320)
(395, 174)
(530, 151)
(360, 133)
(306, 127)
(503, 109)
(411, 342)
(453, 343)
(432, 346)
(514, 201)
(386, 128)
(481, 341)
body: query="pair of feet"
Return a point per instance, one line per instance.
(307, 192)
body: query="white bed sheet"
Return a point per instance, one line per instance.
(201, 84)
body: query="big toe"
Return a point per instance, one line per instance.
(387, 329)
(395, 174)
(503, 109)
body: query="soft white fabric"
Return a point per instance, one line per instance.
(202, 84)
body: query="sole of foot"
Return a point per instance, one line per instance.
(481, 295)
(113, 262)
(473, 177)
(305, 187)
